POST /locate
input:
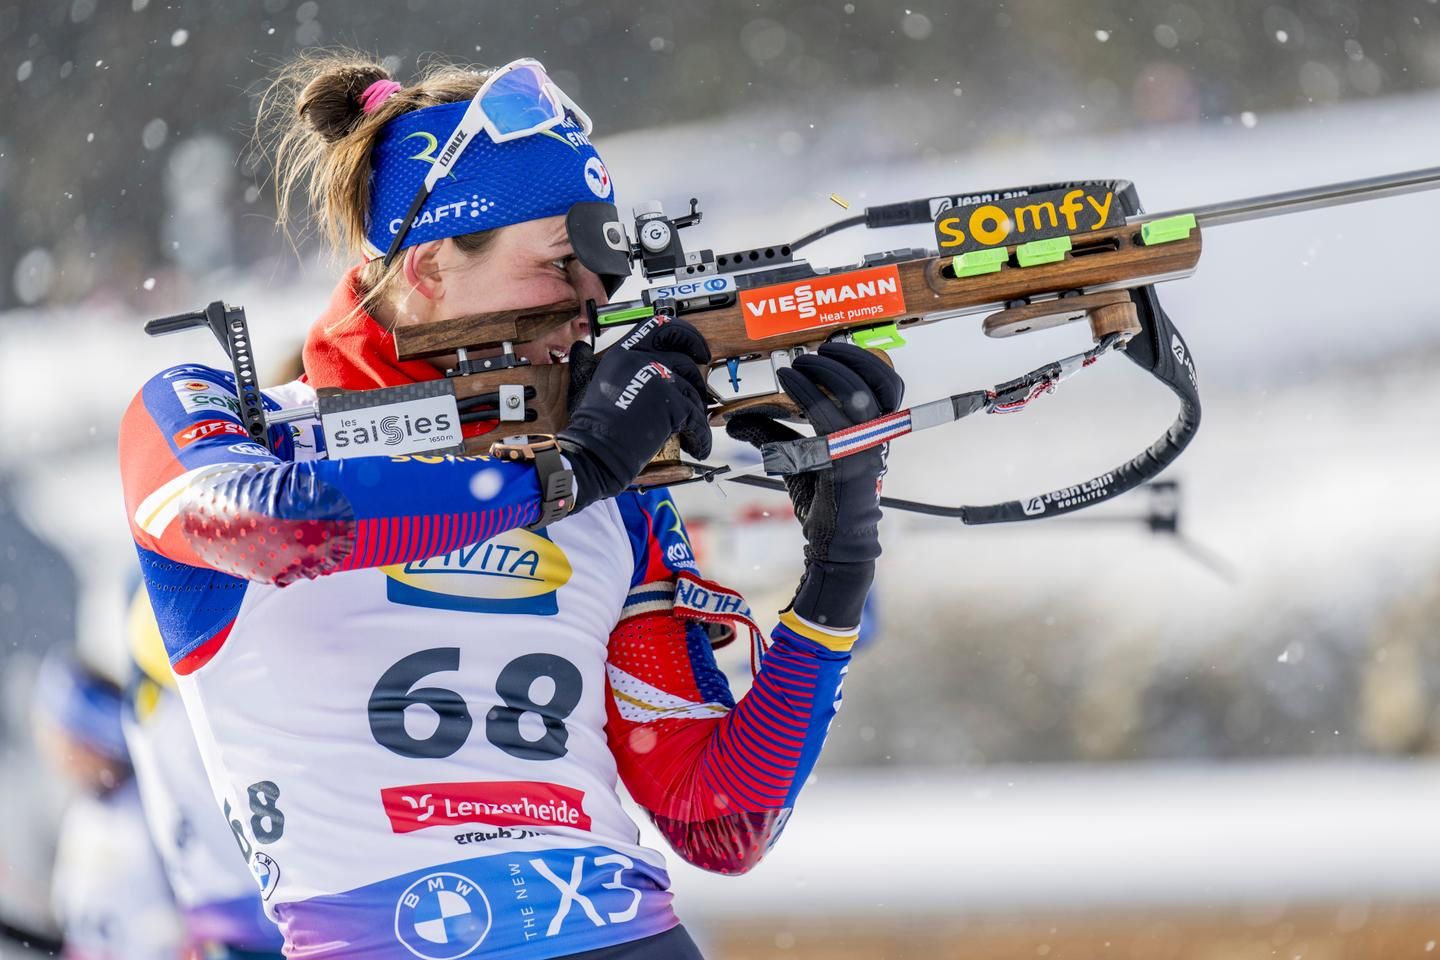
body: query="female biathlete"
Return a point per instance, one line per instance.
(414, 702)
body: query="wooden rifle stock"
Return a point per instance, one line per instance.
(1087, 283)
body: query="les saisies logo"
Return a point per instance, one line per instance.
(1038, 216)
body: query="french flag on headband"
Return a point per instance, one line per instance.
(491, 185)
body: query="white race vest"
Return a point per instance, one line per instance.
(417, 753)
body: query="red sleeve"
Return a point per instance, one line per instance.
(718, 778)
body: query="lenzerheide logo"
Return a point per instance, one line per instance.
(503, 803)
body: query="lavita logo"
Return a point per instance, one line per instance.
(517, 572)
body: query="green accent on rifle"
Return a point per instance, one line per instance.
(1037, 252)
(976, 262)
(884, 337)
(626, 316)
(1168, 230)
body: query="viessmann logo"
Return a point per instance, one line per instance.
(502, 803)
(872, 294)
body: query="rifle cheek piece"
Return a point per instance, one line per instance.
(597, 235)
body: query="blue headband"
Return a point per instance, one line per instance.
(492, 184)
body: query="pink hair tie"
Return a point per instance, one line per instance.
(377, 93)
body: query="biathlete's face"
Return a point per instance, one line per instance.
(525, 265)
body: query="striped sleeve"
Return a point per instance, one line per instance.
(198, 492)
(718, 778)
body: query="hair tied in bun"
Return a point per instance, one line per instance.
(377, 93)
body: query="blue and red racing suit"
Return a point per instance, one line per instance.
(417, 741)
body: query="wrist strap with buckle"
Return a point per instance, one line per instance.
(557, 482)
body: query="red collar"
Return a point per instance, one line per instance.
(348, 348)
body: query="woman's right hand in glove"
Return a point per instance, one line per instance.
(838, 508)
(645, 389)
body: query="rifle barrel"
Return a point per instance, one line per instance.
(1309, 198)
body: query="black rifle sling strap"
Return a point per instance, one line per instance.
(1158, 349)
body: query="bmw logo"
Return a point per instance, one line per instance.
(442, 916)
(266, 871)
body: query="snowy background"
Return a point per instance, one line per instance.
(1274, 705)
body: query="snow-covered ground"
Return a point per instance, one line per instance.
(1098, 838)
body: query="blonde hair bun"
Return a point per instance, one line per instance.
(330, 104)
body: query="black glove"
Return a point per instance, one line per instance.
(838, 508)
(624, 406)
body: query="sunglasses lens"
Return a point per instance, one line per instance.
(517, 101)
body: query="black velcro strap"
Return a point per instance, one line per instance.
(556, 487)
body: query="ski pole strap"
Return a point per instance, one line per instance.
(1158, 348)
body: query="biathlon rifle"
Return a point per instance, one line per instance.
(1027, 259)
